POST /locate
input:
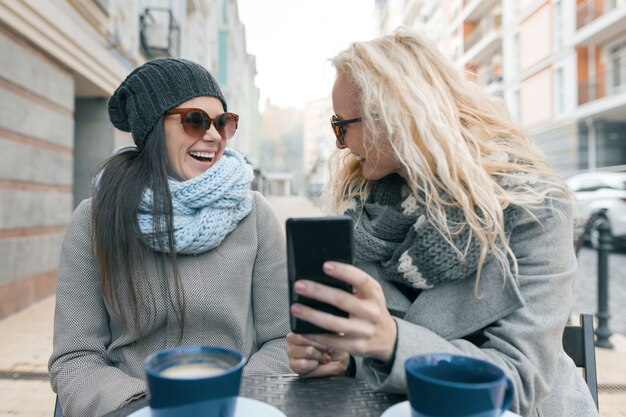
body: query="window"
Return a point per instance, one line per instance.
(597, 181)
(515, 54)
(222, 72)
(225, 4)
(559, 91)
(617, 59)
(558, 25)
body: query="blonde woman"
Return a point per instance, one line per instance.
(463, 233)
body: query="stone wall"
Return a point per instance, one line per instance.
(36, 157)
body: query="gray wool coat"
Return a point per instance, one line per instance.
(516, 323)
(236, 296)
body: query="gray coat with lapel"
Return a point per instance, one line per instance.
(236, 296)
(520, 321)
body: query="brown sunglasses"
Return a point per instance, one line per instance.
(196, 122)
(338, 126)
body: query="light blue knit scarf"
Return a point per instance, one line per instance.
(206, 208)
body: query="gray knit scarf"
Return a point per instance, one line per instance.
(392, 231)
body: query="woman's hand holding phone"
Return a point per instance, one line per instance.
(309, 359)
(368, 331)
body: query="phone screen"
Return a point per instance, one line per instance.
(310, 242)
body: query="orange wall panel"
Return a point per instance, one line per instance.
(600, 73)
(599, 7)
(582, 58)
(468, 27)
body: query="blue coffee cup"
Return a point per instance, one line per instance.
(194, 381)
(442, 384)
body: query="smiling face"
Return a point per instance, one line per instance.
(190, 157)
(375, 163)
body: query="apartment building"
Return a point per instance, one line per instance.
(559, 65)
(600, 42)
(61, 60)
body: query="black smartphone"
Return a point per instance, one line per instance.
(310, 242)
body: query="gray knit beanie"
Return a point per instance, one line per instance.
(155, 87)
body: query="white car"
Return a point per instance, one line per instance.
(596, 191)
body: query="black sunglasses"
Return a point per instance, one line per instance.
(196, 122)
(338, 126)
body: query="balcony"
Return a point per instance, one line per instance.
(603, 84)
(160, 35)
(592, 89)
(598, 22)
(589, 10)
(483, 42)
(475, 9)
(485, 27)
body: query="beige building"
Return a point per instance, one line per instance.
(61, 60)
(560, 65)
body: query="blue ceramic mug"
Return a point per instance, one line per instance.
(194, 381)
(442, 384)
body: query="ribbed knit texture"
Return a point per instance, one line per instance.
(206, 208)
(392, 231)
(155, 87)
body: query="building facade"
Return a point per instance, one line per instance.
(61, 60)
(559, 65)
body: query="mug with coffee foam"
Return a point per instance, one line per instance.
(194, 380)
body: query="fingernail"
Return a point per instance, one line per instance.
(329, 266)
(296, 309)
(299, 286)
(326, 358)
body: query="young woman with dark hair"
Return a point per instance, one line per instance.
(173, 247)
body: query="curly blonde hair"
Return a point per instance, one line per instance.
(457, 145)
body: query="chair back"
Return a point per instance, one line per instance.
(579, 344)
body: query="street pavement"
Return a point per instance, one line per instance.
(26, 336)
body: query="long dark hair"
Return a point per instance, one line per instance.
(119, 245)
